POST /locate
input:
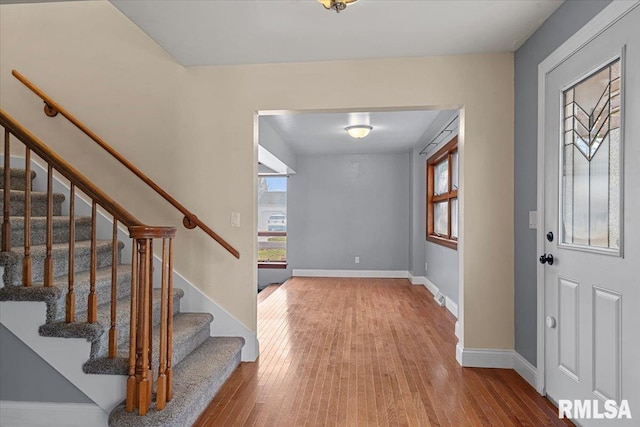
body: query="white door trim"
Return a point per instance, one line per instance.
(606, 18)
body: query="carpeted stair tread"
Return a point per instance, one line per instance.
(38, 203)
(39, 230)
(189, 331)
(60, 252)
(97, 333)
(196, 381)
(16, 178)
(103, 288)
(55, 296)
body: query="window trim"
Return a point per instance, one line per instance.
(445, 153)
(272, 264)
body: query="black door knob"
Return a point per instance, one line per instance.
(544, 258)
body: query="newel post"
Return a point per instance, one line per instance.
(140, 381)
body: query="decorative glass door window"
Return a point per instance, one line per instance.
(591, 161)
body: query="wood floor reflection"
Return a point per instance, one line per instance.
(366, 352)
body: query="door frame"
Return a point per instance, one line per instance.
(606, 18)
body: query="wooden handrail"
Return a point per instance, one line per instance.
(190, 221)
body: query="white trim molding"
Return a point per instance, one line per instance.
(382, 274)
(451, 306)
(606, 18)
(525, 369)
(501, 359)
(417, 280)
(432, 287)
(50, 414)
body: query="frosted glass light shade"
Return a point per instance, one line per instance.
(358, 131)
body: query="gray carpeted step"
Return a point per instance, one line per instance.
(196, 381)
(55, 296)
(97, 333)
(16, 178)
(103, 288)
(189, 331)
(39, 230)
(38, 203)
(60, 252)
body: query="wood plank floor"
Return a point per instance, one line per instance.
(366, 352)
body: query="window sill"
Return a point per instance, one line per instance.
(275, 265)
(453, 244)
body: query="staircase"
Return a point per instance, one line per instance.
(200, 363)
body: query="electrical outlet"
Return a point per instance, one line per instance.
(357, 260)
(426, 266)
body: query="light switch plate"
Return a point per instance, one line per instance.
(533, 219)
(235, 219)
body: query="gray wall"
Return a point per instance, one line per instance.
(25, 376)
(442, 261)
(341, 207)
(418, 211)
(567, 19)
(443, 269)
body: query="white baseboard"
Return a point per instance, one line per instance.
(503, 359)
(417, 280)
(457, 330)
(525, 369)
(451, 306)
(382, 274)
(432, 287)
(46, 414)
(484, 358)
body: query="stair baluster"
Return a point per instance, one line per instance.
(6, 225)
(48, 261)
(169, 371)
(161, 396)
(113, 332)
(132, 381)
(70, 309)
(92, 311)
(26, 261)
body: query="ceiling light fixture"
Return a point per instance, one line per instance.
(358, 131)
(336, 5)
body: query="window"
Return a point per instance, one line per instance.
(591, 158)
(272, 222)
(442, 196)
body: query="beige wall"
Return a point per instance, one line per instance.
(192, 130)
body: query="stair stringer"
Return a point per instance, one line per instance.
(194, 300)
(65, 355)
(224, 324)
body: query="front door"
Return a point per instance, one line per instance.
(592, 226)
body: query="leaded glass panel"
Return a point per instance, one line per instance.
(590, 188)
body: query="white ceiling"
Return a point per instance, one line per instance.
(214, 32)
(323, 133)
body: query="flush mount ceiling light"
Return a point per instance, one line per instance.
(358, 131)
(336, 5)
